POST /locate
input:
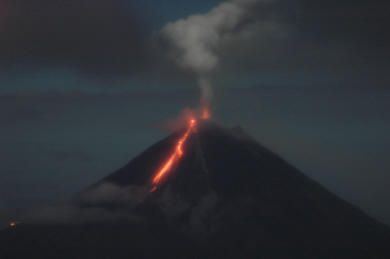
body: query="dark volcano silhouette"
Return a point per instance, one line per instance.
(229, 197)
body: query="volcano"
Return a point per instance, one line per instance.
(226, 197)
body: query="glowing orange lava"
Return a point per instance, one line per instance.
(175, 157)
(205, 113)
(12, 224)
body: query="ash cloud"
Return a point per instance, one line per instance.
(91, 35)
(338, 40)
(237, 36)
(194, 41)
(295, 40)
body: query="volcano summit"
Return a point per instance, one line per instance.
(226, 197)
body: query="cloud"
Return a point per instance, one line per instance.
(359, 23)
(69, 213)
(103, 35)
(297, 40)
(194, 41)
(103, 202)
(338, 38)
(109, 193)
(341, 39)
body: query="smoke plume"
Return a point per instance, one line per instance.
(195, 40)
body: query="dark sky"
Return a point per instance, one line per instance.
(85, 84)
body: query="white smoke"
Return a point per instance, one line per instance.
(195, 40)
(69, 213)
(88, 207)
(111, 193)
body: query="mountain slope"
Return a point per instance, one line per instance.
(230, 197)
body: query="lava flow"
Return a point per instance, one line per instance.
(175, 157)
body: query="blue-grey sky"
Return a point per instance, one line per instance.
(85, 85)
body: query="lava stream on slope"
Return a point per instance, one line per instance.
(174, 157)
